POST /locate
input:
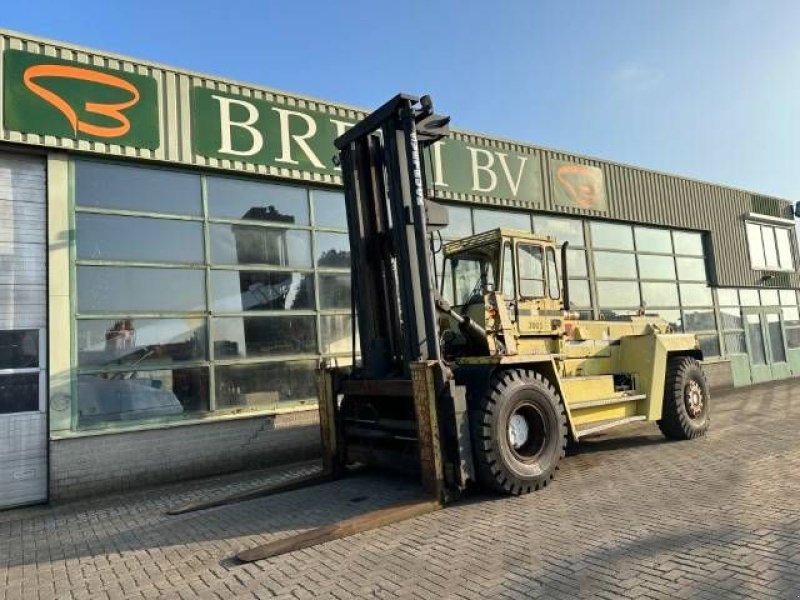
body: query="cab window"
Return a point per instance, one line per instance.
(552, 274)
(509, 288)
(531, 271)
(472, 273)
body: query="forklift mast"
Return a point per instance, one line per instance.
(389, 216)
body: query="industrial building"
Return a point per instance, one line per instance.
(174, 263)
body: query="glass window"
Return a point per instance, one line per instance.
(793, 337)
(576, 262)
(255, 337)
(19, 349)
(509, 288)
(756, 246)
(460, 225)
(563, 230)
(531, 271)
(649, 239)
(242, 244)
(492, 219)
(749, 297)
(709, 345)
(232, 198)
(788, 297)
(141, 395)
(728, 297)
(109, 237)
(731, 317)
(615, 264)
(687, 242)
(659, 294)
(791, 316)
(734, 342)
(776, 347)
(19, 392)
(140, 289)
(618, 293)
(691, 269)
(695, 294)
(333, 250)
(334, 290)
(670, 315)
(110, 185)
(337, 333)
(656, 267)
(770, 247)
(579, 294)
(699, 320)
(611, 236)
(265, 385)
(554, 288)
(784, 249)
(472, 273)
(329, 209)
(769, 298)
(113, 342)
(758, 353)
(236, 291)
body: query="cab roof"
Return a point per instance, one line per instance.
(494, 236)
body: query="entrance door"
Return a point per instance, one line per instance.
(23, 333)
(766, 344)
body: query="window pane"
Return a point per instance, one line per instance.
(247, 245)
(699, 320)
(618, 293)
(788, 297)
(671, 316)
(691, 269)
(265, 385)
(749, 297)
(686, 242)
(136, 188)
(107, 237)
(653, 240)
(554, 286)
(784, 249)
(333, 250)
(611, 236)
(709, 345)
(579, 294)
(140, 289)
(656, 267)
(492, 219)
(19, 349)
(791, 316)
(107, 342)
(734, 343)
(769, 298)
(563, 230)
(19, 392)
(576, 263)
(615, 264)
(531, 271)
(695, 294)
(758, 354)
(337, 335)
(231, 198)
(236, 291)
(793, 337)
(728, 297)
(329, 209)
(460, 226)
(659, 294)
(775, 331)
(731, 318)
(334, 290)
(508, 287)
(755, 246)
(141, 395)
(770, 247)
(255, 337)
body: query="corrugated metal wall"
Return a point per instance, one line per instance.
(633, 194)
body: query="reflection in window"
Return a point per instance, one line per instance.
(232, 198)
(691, 269)
(615, 264)
(579, 294)
(107, 342)
(333, 250)
(749, 297)
(265, 385)
(563, 230)
(791, 316)
(140, 239)
(788, 297)
(508, 287)
(140, 289)
(336, 334)
(334, 290)
(769, 297)
(19, 349)
(236, 291)
(460, 223)
(649, 239)
(472, 273)
(687, 243)
(618, 293)
(671, 316)
(695, 294)
(776, 347)
(731, 317)
(709, 345)
(656, 267)
(243, 245)
(553, 285)
(141, 395)
(492, 219)
(659, 294)
(19, 392)
(758, 353)
(611, 236)
(531, 271)
(699, 320)
(329, 209)
(734, 342)
(255, 337)
(576, 262)
(728, 297)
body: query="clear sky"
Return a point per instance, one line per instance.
(704, 88)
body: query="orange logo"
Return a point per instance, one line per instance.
(111, 110)
(582, 184)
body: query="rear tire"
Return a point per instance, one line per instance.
(519, 432)
(686, 413)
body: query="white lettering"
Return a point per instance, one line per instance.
(485, 168)
(341, 128)
(513, 184)
(227, 124)
(299, 138)
(438, 170)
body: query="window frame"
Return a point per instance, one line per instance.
(750, 225)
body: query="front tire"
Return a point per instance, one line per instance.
(519, 432)
(686, 413)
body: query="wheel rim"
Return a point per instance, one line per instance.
(694, 399)
(527, 432)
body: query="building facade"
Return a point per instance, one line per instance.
(174, 263)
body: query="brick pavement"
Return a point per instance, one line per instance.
(630, 516)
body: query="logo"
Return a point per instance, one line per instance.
(580, 186)
(50, 96)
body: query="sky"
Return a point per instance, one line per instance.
(707, 89)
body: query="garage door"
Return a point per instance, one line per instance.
(23, 334)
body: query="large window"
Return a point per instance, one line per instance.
(770, 247)
(198, 293)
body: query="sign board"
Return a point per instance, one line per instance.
(578, 186)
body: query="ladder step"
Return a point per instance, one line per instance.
(603, 425)
(607, 401)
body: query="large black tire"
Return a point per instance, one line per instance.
(686, 413)
(524, 457)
